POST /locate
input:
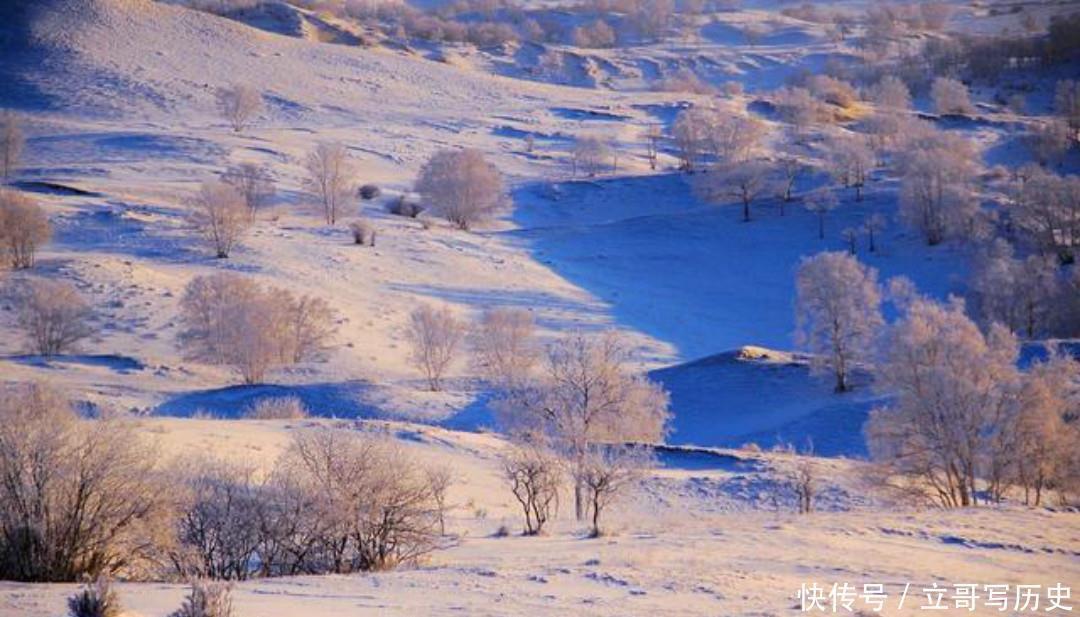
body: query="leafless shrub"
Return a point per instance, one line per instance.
(78, 498)
(799, 107)
(11, 144)
(52, 315)
(833, 91)
(363, 232)
(229, 320)
(238, 104)
(278, 408)
(838, 312)
(330, 178)
(505, 347)
(462, 186)
(218, 213)
(253, 182)
(23, 228)
(207, 599)
(218, 522)
(950, 97)
(607, 474)
(95, 599)
(435, 335)
(535, 476)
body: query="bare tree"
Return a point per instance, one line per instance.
(77, 498)
(689, 131)
(11, 144)
(238, 104)
(653, 135)
(799, 107)
(218, 213)
(1017, 293)
(462, 186)
(253, 182)
(505, 349)
(52, 315)
(950, 97)
(744, 182)
(953, 387)
(435, 335)
(607, 474)
(535, 475)
(24, 227)
(330, 178)
(821, 202)
(230, 320)
(586, 394)
(590, 154)
(439, 480)
(851, 237)
(1051, 141)
(838, 312)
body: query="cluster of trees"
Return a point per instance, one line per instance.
(230, 320)
(963, 413)
(87, 498)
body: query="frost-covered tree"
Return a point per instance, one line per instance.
(873, 226)
(462, 186)
(851, 161)
(950, 96)
(1046, 209)
(1067, 104)
(1018, 293)
(1051, 141)
(435, 336)
(821, 202)
(505, 349)
(936, 187)
(727, 138)
(330, 178)
(220, 216)
(801, 108)
(791, 170)
(744, 182)
(253, 182)
(954, 387)
(231, 320)
(891, 92)
(590, 155)
(238, 104)
(653, 135)
(838, 312)
(52, 315)
(24, 227)
(11, 144)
